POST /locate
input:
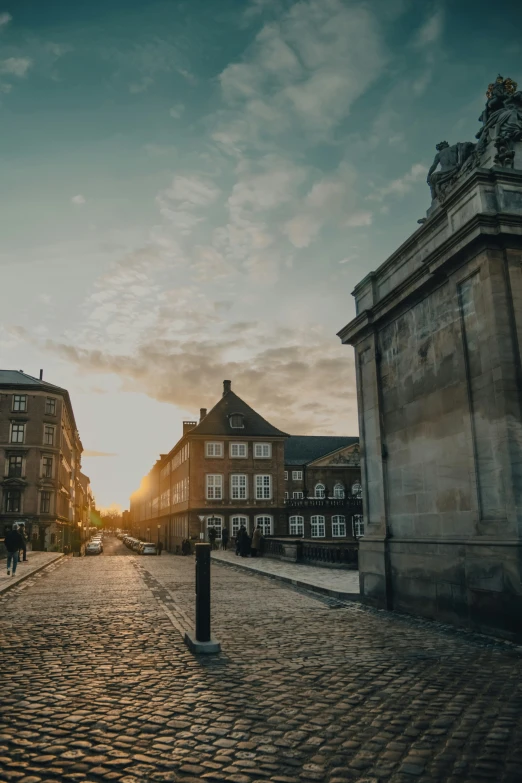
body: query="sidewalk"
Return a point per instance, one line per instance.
(35, 562)
(337, 583)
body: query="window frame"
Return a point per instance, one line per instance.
(48, 401)
(314, 525)
(339, 524)
(219, 528)
(270, 519)
(48, 496)
(236, 416)
(209, 443)
(297, 526)
(214, 486)
(234, 527)
(15, 473)
(20, 426)
(45, 473)
(262, 486)
(19, 397)
(358, 525)
(239, 486)
(233, 443)
(339, 491)
(8, 496)
(47, 428)
(297, 475)
(263, 444)
(323, 496)
(357, 486)
(297, 494)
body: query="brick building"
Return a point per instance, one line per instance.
(230, 468)
(40, 460)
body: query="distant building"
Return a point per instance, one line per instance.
(40, 460)
(233, 468)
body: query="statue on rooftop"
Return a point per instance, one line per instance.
(502, 120)
(451, 160)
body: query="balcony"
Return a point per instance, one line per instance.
(354, 505)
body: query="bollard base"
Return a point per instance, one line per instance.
(202, 648)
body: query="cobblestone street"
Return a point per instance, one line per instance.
(97, 684)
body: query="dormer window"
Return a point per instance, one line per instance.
(237, 421)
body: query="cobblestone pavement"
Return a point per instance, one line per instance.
(35, 561)
(342, 582)
(97, 685)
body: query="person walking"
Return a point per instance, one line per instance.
(224, 538)
(239, 535)
(21, 530)
(212, 535)
(244, 544)
(160, 547)
(256, 541)
(13, 542)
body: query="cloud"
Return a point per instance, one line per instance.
(431, 31)
(401, 185)
(90, 453)
(5, 18)
(140, 86)
(79, 199)
(15, 66)
(177, 110)
(358, 219)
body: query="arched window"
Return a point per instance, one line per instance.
(296, 526)
(357, 490)
(338, 526)
(318, 527)
(266, 524)
(236, 522)
(217, 524)
(319, 491)
(338, 491)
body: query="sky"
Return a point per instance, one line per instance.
(191, 190)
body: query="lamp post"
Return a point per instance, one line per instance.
(201, 532)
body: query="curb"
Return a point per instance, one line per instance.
(11, 585)
(340, 596)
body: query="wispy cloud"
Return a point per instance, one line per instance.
(15, 66)
(431, 31)
(79, 200)
(401, 185)
(5, 18)
(176, 111)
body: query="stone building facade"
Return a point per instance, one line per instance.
(40, 460)
(437, 338)
(229, 469)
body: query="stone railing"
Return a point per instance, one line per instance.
(352, 505)
(331, 553)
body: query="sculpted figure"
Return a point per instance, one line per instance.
(451, 160)
(502, 119)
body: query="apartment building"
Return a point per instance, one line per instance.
(40, 459)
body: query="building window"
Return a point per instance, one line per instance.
(297, 495)
(266, 524)
(237, 521)
(262, 450)
(217, 524)
(214, 449)
(297, 526)
(214, 486)
(47, 467)
(236, 421)
(358, 526)
(319, 491)
(297, 475)
(45, 502)
(286, 475)
(338, 491)
(318, 527)
(357, 490)
(263, 487)
(15, 467)
(238, 486)
(20, 402)
(13, 501)
(50, 406)
(238, 450)
(17, 433)
(48, 435)
(287, 495)
(338, 527)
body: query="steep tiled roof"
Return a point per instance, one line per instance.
(216, 422)
(302, 449)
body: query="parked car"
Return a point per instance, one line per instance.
(147, 548)
(97, 540)
(93, 548)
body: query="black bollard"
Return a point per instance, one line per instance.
(200, 641)
(203, 592)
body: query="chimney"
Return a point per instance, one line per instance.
(41, 374)
(189, 425)
(226, 387)
(202, 414)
